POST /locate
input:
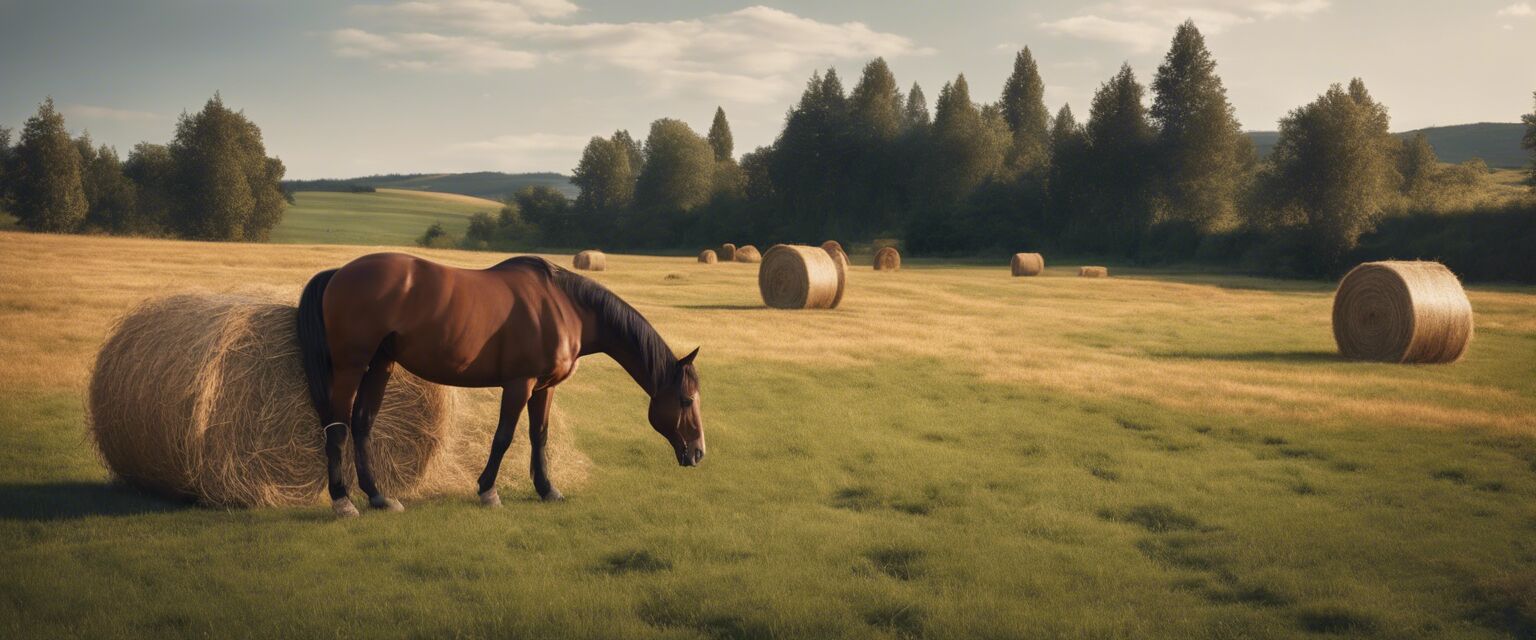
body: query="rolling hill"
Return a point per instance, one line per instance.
(387, 217)
(1497, 143)
(493, 185)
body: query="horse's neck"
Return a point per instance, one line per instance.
(629, 355)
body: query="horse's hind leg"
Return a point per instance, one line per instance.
(370, 395)
(538, 436)
(344, 382)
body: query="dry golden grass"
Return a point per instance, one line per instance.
(1219, 345)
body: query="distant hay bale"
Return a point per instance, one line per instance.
(707, 256)
(801, 277)
(727, 252)
(591, 260)
(1093, 272)
(835, 249)
(748, 254)
(1409, 312)
(1027, 264)
(203, 396)
(887, 259)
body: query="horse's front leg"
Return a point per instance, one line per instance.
(538, 436)
(514, 396)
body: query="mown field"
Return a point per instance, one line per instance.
(386, 217)
(952, 453)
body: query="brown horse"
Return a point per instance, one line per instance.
(520, 325)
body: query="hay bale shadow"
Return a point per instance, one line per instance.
(52, 501)
(1255, 356)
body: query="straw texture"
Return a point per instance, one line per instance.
(1410, 312)
(591, 260)
(748, 254)
(887, 259)
(1027, 264)
(801, 277)
(1093, 272)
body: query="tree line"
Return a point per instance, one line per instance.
(213, 181)
(1174, 181)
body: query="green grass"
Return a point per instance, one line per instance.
(382, 218)
(952, 453)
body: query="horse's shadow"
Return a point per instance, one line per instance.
(69, 500)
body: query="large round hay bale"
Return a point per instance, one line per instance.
(887, 259)
(748, 254)
(1027, 264)
(203, 396)
(707, 256)
(1402, 312)
(801, 277)
(1093, 272)
(835, 249)
(727, 252)
(591, 260)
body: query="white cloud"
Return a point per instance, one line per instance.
(92, 112)
(1521, 10)
(512, 152)
(755, 54)
(524, 142)
(1143, 25)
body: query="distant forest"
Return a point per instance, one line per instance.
(1177, 181)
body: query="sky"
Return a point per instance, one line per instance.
(343, 89)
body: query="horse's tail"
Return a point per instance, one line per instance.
(313, 346)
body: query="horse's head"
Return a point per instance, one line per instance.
(675, 413)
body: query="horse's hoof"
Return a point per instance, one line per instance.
(386, 504)
(552, 495)
(490, 498)
(344, 508)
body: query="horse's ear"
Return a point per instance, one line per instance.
(688, 359)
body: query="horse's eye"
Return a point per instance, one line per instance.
(687, 401)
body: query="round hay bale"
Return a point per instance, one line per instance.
(1411, 312)
(748, 254)
(727, 252)
(203, 396)
(801, 277)
(591, 260)
(835, 249)
(887, 259)
(1093, 272)
(1027, 264)
(707, 256)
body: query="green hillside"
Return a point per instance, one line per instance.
(493, 185)
(1497, 143)
(382, 218)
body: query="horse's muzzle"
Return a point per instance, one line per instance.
(689, 456)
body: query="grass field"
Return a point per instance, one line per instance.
(952, 453)
(387, 217)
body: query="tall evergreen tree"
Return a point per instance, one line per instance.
(226, 186)
(720, 136)
(1023, 104)
(810, 159)
(966, 151)
(1200, 150)
(1332, 165)
(915, 112)
(1529, 140)
(5, 169)
(1119, 211)
(606, 182)
(678, 174)
(46, 185)
(1069, 144)
(875, 106)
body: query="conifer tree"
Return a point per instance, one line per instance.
(915, 112)
(46, 183)
(1200, 150)
(1023, 105)
(720, 136)
(632, 149)
(875, 106)
(1119, 211)
(1065, 195)
(966, 150)
(5, 169)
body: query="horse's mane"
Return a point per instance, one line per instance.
(621, 320)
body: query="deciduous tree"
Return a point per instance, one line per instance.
(46, 182)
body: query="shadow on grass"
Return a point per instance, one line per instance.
(71, 500)
(1255, 356)
(722, 307)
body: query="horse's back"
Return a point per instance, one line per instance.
(465, 327)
